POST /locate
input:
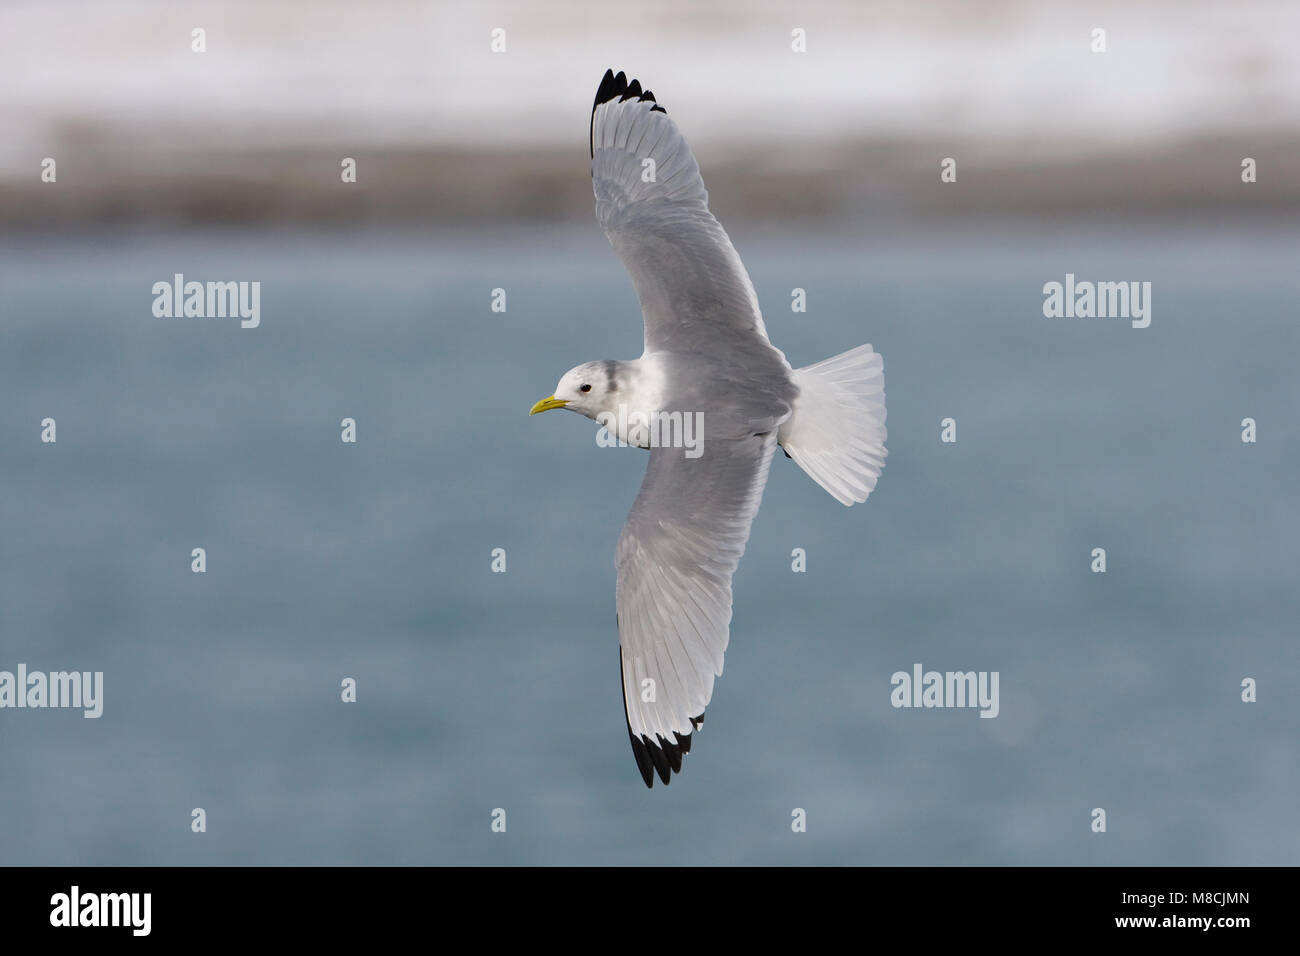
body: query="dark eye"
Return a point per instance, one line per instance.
(585, 388)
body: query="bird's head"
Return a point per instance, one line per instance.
(587, 389)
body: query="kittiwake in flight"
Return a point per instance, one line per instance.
(707, 360)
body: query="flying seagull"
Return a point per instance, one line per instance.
(707, 358)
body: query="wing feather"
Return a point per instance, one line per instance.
(688, 527)
(679, 549)
(652, 204)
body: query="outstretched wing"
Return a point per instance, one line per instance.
(689, 524)
(653, 206)
(678, 551)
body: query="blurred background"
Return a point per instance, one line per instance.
(445, 130)
(372, 561)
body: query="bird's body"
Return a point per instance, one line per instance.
(707, 356)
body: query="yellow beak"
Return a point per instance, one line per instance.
(546, 404)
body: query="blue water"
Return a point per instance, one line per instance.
(479, 691)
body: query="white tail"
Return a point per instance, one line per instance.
(837, 431)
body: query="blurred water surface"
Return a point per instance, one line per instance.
(479, 690)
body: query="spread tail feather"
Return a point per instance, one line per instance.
(837, 430)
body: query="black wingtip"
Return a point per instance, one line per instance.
(643, 762)
(648, 97)
(660, 760)
(616, 86)
(639, 750)
(660, 756)
(611, 85)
